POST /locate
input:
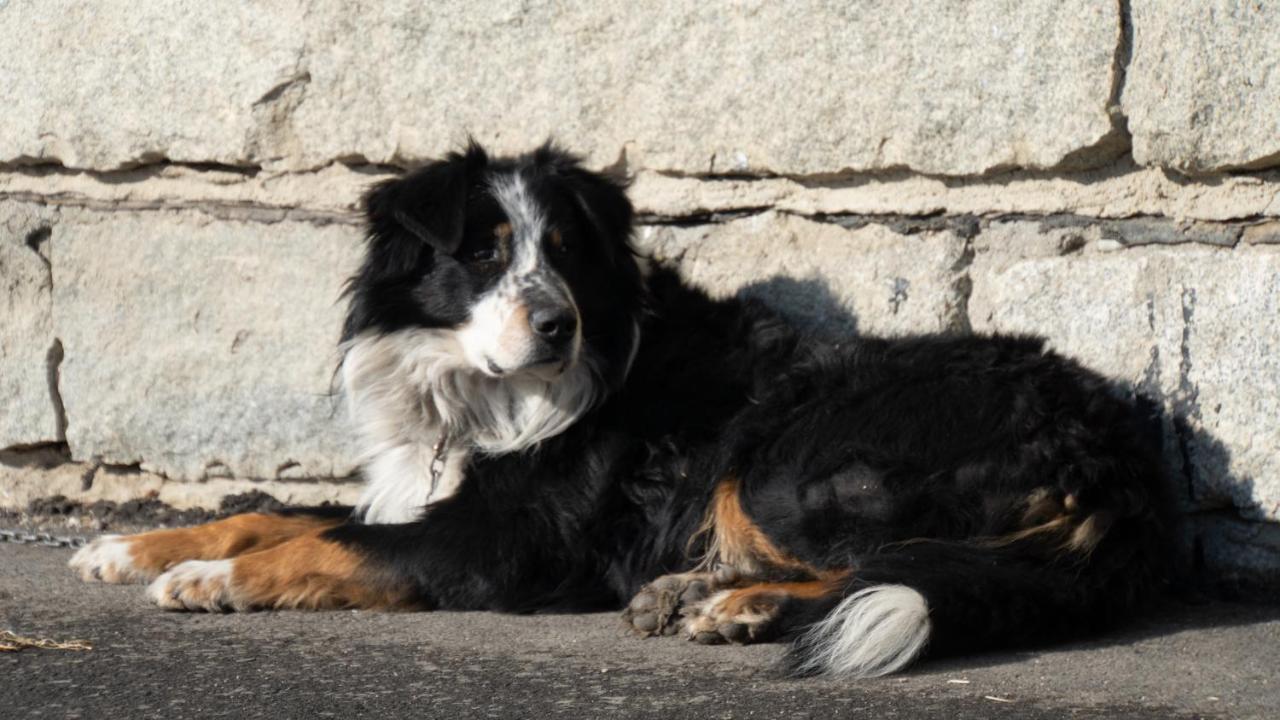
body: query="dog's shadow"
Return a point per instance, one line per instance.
(808, 304)
(1169, 618)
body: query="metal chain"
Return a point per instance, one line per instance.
(24, 537)
(438, 461)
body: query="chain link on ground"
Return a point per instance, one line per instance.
(26, 537)
(13, 642)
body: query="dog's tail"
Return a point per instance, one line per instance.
(941, 597)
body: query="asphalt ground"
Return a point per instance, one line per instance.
(1210, 660)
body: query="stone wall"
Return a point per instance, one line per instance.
(178, 182)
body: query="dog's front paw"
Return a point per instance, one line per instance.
(108, 559)
(736, 616)
(662, 606)
(196, 585)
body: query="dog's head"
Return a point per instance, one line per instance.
(523, 263)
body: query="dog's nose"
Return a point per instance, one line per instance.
(553, 324)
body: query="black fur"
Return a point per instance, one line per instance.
(892, 457)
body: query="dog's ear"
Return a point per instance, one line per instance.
(429, 203)
(600, 197)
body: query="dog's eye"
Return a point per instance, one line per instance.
(483, 255)
(489, 254)
(557, 242)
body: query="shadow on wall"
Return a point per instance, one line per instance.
(1195, 458)
(1215, 512)
(808, 304)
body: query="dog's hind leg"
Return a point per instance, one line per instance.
(745, 558)
(142, 557)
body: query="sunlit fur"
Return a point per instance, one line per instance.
(405, 388)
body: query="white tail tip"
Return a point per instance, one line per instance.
(873, 632)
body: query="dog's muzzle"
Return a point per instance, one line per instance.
(553, 325)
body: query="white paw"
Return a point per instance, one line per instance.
(722, 617)
(108, 559)
(195, 585)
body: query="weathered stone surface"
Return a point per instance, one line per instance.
(1231, 361)
(202, 348)
(1093, 305)
(824, 276)
(29, 352)
(1162, 231)
(116, 82)
(694, 87)
(1193, 328)
(330, 193)
(804, 87)
(20, 484)
(1262, 233)
(1203, 89)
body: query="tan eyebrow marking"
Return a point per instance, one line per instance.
(503, 232)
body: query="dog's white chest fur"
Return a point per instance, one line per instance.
(405, 388)
(399, 482)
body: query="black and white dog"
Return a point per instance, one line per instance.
(550, 424)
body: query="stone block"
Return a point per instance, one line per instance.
(828, 278)
(29, 352)
(805, 87)
(115, 83)
(199, 347)
(1202, 91)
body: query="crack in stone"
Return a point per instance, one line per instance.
(38, 241)
(96, 466)
(962, 290)
(237, 211)
(697, 219)
(1117, 143)
(899, 293)
(273, 115)
(53, 376)
(1185, 400)
(270, 96)
(1129, 232)
(149, 164)
(965, 226)
(42, 455)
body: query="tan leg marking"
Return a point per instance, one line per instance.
(307, 572)
(736, 548)
(1057, 518)
(138, 558)
(748, 614)
(735, 540)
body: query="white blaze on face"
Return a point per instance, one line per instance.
(498, 332)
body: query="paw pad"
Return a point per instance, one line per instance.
(659, 608)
